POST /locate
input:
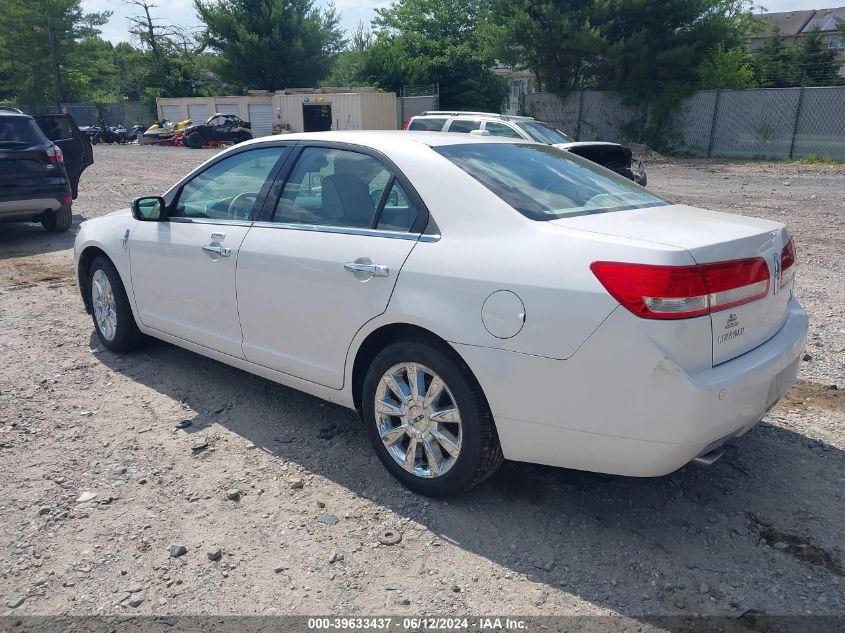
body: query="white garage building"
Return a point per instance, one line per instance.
(323, 109)
(293, 110)
(255, 107)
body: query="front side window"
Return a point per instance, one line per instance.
(427, 125)
(543, 133)
(464, 125)
(546, 183)
(228, 190)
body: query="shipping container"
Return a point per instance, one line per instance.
(317, 111)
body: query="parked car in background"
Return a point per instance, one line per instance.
(614, 156)
(473, 298)
(218, 128)
(41, 160)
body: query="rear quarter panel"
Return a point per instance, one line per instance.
(486, 246)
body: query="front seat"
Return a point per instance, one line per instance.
(347, 198)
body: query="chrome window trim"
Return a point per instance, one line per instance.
(349, 230)
(190, 220)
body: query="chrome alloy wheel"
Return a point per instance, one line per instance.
(418, 420)
(102, 299)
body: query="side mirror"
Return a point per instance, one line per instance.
(149, 208)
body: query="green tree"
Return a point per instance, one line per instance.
(350, 66)
(271, 44)
(648, 50)
(815, 61)
(26, 72)
(726, 68)
(442, 41)
(811, 62)
(774, 65)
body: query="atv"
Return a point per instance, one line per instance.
(220, 128)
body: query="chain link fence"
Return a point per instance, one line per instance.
(126, 113)
(773, 123)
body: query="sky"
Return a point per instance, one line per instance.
(181, 12)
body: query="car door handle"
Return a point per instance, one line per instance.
(376, 270)
(217, 250)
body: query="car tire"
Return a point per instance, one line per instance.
(242, 138)
(194, 140)
(58, 221)
(121, 334)
(479, 453)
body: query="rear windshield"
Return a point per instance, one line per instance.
(546, 183)
(19, 131)
(427, 125)
(543, 133)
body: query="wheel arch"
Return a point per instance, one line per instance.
(383, 336)
(86, 258)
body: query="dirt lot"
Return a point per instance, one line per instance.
(99, 484)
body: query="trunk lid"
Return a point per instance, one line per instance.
(26, 170)
(710, 236)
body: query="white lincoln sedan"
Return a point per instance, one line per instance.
(474, 299)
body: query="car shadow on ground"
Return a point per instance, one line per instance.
(690, 542)
(20, 239)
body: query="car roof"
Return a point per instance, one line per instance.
(437, 114)
(385, 140)
(13, 112)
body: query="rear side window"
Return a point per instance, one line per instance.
(427, 125)
(19, 131)
(543, 133)
(546, 183)
(464, 125)
(500, 129)
(398, 213)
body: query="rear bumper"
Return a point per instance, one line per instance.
(620, 405)
(30, 205)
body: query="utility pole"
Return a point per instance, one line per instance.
(54, 57)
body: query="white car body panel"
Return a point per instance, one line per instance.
(299, 307)
(583, 384)
(180, 289)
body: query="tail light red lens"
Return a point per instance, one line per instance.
(681, 292)
(407, 123)
(787, 263)
(54, 154)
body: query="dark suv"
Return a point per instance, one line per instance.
(41, 159)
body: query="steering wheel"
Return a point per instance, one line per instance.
(236, 202)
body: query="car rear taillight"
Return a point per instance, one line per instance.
(408, 123)
(787, 263)
(680, 292)
(54, 154)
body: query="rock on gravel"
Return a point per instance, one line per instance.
(178, 550)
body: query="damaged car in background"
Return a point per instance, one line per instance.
(613, 156)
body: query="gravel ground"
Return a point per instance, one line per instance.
(270, 501)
